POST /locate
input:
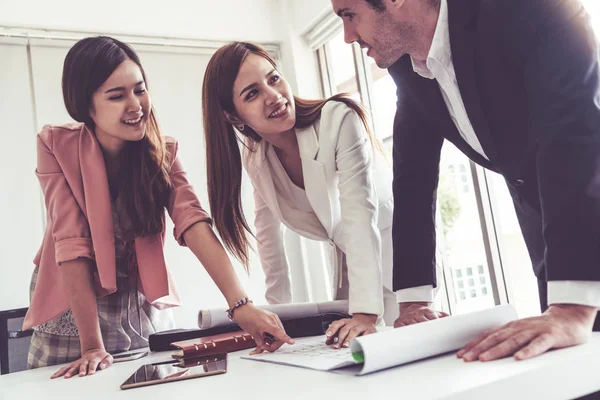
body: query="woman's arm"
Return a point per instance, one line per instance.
(203, 242)
(74, 251)
(359, 211)
(269, 238)
(201, 239)
(78, 281)
(77, 277)
(193, 228)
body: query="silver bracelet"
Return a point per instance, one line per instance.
(237, 304)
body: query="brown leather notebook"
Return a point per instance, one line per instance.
(222, 343)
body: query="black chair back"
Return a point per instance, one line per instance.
(14, 343)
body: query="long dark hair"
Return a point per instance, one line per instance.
(144, 165)
(223, 159)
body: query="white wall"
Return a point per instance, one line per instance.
(204, 19)
(21, 215)
(276, 21)
(263, 21)
(304, 13)
(299, 63)
(297, 17)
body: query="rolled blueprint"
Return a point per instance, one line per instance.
(218, 317)
(415, 342)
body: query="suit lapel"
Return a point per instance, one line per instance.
(427, 93)
(463, 41)
(315, 178)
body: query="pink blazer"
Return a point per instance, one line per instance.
(72, 173)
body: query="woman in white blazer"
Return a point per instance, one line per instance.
(315, 168)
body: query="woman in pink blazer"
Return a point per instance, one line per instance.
(101, 277)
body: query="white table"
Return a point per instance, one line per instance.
(562, 374)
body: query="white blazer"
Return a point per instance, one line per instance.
(349, 187)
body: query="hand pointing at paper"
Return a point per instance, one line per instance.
(341, 332)
(259, 323)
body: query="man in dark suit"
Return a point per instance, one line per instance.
(515, 85)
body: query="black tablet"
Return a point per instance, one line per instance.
(176, 370)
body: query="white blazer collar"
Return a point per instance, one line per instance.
(315, 179)
(308, 142)
(255, 153)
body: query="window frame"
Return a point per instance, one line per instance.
(500, 287)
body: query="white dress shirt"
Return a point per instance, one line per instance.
(439, 66)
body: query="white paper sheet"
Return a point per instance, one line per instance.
(218, 317)
(393, 347)
(310, 353)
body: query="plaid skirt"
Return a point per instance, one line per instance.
(126, 321)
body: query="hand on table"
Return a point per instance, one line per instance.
(415, 312)
(89, 362)
(562, 325)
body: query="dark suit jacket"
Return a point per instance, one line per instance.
(528, 75)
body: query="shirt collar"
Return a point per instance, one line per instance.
(439, 53)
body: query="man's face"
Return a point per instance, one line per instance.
(387, 34)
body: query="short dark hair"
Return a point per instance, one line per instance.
(378, 5)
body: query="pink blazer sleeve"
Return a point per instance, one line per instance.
(183, 205)
(69, 226)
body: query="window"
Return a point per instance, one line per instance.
(484, 291)
(339, 57)
(382, 94)
(480, 269)
(482, 280)
(518, 273)
(461, 239)
(473, 293)
(471, 282)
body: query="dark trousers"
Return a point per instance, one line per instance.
(543, 289)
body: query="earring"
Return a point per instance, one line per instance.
(241, 127)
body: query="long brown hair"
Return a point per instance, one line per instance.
(144, 165)
(223, 159)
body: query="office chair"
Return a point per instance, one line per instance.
(14, 343)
